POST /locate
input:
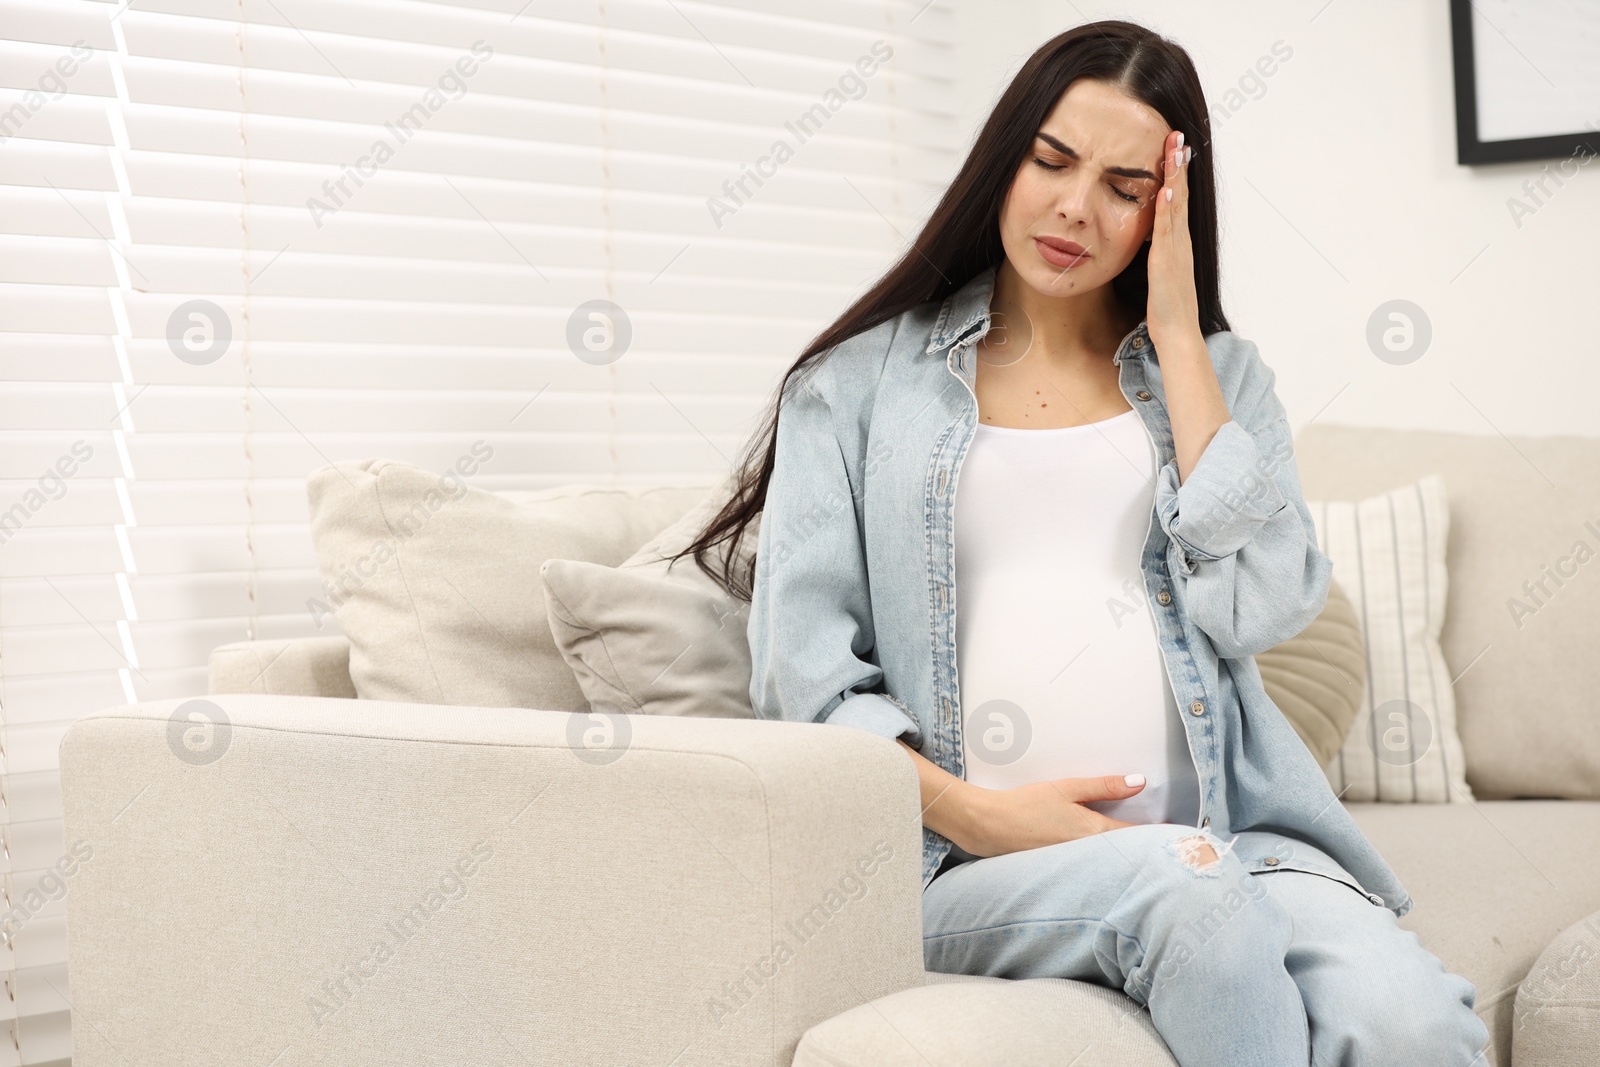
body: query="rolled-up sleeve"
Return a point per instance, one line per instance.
(1223, 503)
(1242, 544)
(811, 628)
(876, 713)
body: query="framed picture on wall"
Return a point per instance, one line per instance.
(1527, 79)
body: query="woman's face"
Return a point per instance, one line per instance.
(1083, 200)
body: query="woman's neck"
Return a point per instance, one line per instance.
(1061, 331)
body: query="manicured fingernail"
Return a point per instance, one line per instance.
(1188, 154)
(1133, 779)
(1169, 196)
(1180, 138)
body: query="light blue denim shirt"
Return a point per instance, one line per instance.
(852, 620)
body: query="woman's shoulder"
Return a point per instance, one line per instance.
(854, 366)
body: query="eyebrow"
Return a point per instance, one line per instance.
(1126, 172)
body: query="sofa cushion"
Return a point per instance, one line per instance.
(651, 637)
(989, 1022)
(436, 582)
(1494, 882)
(1524, 566)
(1388, 553)
(1318, 678)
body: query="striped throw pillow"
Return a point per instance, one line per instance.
(1388, 555)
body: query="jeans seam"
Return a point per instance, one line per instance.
(1135, 974)
(1007, 925)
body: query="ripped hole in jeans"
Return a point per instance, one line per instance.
(1199, 852)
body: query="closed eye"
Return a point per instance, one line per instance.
(1132, 198)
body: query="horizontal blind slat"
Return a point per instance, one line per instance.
(59, 23)
(55, 165)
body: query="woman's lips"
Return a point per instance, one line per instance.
(1057, 252)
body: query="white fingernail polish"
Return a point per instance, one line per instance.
(1133, 779)
(1188, 154)
(1180, 138)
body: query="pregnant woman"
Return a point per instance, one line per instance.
(1108, 793)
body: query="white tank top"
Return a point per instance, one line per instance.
(1058, 660)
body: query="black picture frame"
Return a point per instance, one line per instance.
(1470, 150)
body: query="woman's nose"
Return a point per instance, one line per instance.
(1072, 198)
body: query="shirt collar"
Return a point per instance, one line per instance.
(963, 311)
(967, 309)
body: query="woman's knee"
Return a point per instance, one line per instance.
(1202, 911)
(1220, 906)
(1397, 1019)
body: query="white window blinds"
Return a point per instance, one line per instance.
(242, 239)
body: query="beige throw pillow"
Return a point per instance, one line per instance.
(1317, 678)
(436, 582)
(1388, 554)
(649, 637)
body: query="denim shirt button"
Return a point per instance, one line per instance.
(1143, 394)
(1271, 861)
(1197, 708)
(1138, 342)
(1163, 598)
(1205, 822)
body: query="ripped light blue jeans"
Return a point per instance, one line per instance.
(1237, 969)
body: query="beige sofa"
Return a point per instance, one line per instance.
(365, 883)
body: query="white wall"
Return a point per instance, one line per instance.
(1340, 191)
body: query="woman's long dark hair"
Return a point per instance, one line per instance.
(962, 236)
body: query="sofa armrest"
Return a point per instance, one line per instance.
(1557, 1014)
(352, 881)
(301, 666)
